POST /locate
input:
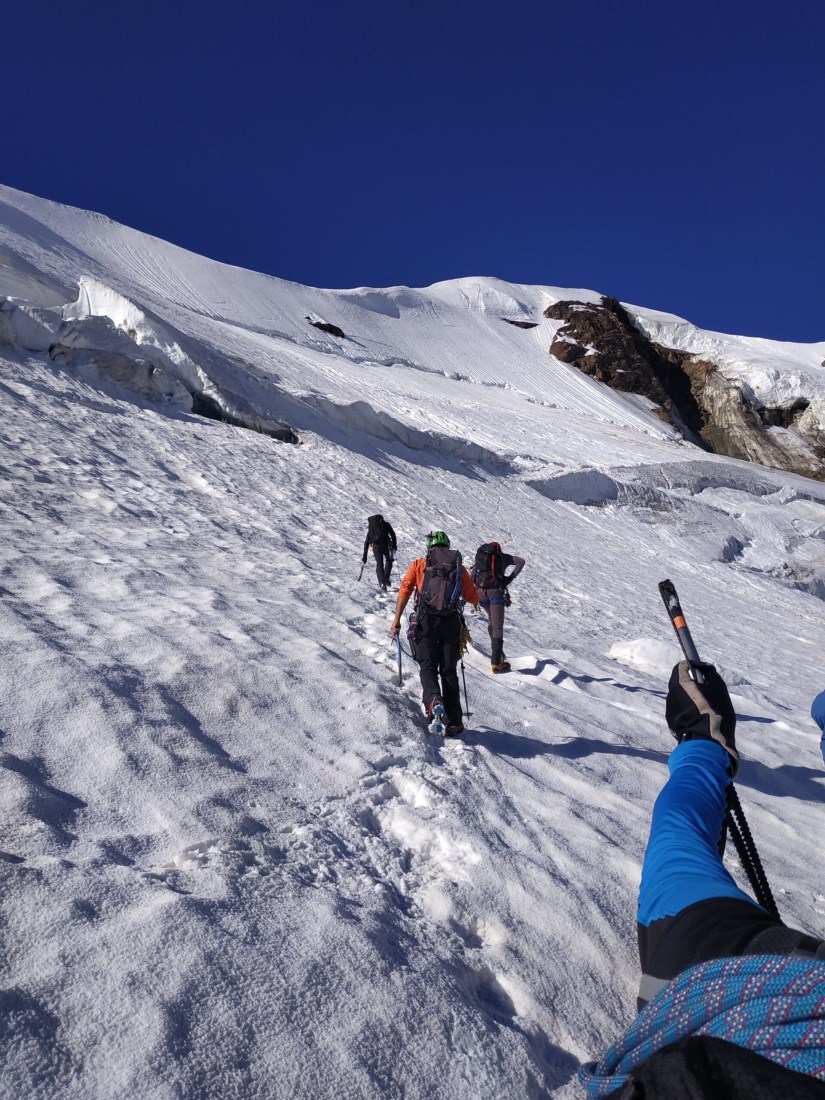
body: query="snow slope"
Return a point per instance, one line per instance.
(234, 864)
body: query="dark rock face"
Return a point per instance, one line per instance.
(521, 324)
(783, 418)
(691, 394)
(325, 326)
(602, 341)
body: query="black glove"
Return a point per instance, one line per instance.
(701, 712)
(505, 581)
(364, 559)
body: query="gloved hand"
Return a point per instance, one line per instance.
(396, 626)
(508, 599)
(364, 560)
(701, 712)
(505, 581)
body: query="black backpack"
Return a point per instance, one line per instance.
(441, 584)
(377, 529)
(489, 566)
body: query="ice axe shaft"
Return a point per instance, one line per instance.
(668, 592)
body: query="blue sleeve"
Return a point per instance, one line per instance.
(682, 863)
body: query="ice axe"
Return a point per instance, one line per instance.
(737, 824)
(677, 619)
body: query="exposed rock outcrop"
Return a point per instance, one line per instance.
(327, 326)
(602, 341)
(783, 417)
(520, 324)
(690, 393)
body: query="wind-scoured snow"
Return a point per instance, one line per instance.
(234, 864)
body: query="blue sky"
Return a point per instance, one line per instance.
(670, 155)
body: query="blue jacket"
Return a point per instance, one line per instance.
(818, 715)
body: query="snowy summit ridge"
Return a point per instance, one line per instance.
(234, 865)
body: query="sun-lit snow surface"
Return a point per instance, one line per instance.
(233, 863)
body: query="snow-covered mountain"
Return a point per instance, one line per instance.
(234, 864)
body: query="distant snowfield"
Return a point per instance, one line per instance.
(234, 864)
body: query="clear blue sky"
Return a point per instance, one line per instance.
(672, 155)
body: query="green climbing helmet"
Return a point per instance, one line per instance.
(437, 538)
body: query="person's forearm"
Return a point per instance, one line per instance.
(400, 604)
(518, 565)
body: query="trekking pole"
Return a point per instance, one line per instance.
(466, 701)
(361, 573)
(398, 653)
(463, 645)
(735, 820)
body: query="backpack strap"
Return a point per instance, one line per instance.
(453, 600)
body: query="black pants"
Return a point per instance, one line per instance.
(436, 651)
(383, 561)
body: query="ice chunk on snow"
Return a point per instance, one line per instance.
(647, 654)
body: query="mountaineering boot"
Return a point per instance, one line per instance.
(455, 730)
(701, 712)
(498, 662)
(436, 715)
